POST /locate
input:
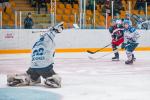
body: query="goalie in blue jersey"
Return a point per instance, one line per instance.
(42, 62)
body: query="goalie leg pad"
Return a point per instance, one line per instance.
(21, 80)
(53, 81)
(18, 80)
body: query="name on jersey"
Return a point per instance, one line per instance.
(38, 58)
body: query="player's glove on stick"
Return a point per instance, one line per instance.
(123, 45)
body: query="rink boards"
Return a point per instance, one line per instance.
(71, 40)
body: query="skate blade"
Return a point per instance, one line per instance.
(115, 60)
(128, 63)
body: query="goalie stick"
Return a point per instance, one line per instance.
(49, 28)
(74, 25)
(39, 31)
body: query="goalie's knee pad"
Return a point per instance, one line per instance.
(53, 82)
(18, 80)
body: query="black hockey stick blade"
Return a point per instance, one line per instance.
(97, 50)
(92, 52)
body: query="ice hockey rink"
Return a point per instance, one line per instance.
(82, 78)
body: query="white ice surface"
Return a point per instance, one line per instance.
(85, 79)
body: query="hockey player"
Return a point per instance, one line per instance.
(42, 62)
(116, 31)
(130, 41)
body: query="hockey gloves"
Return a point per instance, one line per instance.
(123, 45)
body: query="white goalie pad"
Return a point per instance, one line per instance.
(18, 80)
(21, 80)
(53, 82)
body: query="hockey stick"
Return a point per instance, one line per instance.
(49, 28)
(92, 58)
(39, 31)
(119, 29)
(75, 26)
(91, 52)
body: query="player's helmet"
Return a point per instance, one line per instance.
(126, 22)
(119, 21)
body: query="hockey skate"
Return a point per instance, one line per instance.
(133, 58)
(116, 58)
(129, 62)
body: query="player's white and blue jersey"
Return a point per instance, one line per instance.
(131, 35)
(43, 51)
